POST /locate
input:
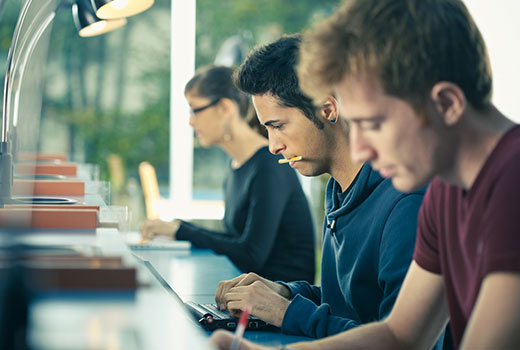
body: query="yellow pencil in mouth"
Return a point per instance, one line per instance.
(293, 159)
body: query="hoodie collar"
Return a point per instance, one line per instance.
(364, 183)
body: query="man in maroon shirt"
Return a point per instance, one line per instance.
(413, 81)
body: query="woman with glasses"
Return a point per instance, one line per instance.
(268, 226)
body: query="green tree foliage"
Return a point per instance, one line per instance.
(90, 81)
(257, 20)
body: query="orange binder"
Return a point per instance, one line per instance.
(68, 169)
(41, 156)
(48, 218)
(48, 187)
(54, 206)
(80, 277)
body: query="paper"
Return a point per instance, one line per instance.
(160, 243)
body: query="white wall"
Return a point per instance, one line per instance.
(499, 23)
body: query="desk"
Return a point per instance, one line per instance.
(147, 319)
(195, 273)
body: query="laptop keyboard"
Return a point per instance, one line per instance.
(214, 310)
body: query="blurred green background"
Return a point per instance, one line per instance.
(108, 97)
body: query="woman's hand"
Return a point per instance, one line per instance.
(156, 227)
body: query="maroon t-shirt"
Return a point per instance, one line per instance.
(465, 235)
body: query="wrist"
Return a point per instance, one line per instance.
(175, 224)
(284, 291)
(282, 309)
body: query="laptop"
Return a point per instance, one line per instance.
(209, 316)
(133, 239)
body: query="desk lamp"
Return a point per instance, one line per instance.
(20, 52)
(112, 9)
(14, 293)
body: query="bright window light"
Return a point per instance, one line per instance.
(500, 28)
(119, 4)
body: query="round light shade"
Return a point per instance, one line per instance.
(88, 24)
(111, 9)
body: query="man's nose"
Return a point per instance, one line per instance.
(275, 145)
(360, 149)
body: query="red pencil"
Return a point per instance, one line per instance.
(241, 327)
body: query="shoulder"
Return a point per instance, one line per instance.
(267, 164)
(387, 195)
(263, 169)
(438, 194)
(263, 158)
(503, 164)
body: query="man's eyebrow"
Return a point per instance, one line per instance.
(365, 119)
(269, 122)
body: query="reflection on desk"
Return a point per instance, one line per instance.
(149, 319)
(144, 318)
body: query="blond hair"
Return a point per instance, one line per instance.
(407, 45)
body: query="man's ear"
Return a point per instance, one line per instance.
(449, 101)
(329, 110)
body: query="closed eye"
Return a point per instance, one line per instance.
(274, 124)
(371, 125)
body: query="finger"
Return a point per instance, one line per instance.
(236, 313)
(246, 289)
(235, 308)
(147, 233)
(222, 339)
(230, 297)
(248, 279)
(143, 226)
(223, 288)
(219, 292)
(146, 227)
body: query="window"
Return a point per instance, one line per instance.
(225, 32)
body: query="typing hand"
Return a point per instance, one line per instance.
(156, 227)
(223, 339)
(265, 303)
(245, 280)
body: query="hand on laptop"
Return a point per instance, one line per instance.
(265, 303)
(246, 279)
(156, 227)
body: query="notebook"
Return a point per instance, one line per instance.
(208, 315)
(157, 243)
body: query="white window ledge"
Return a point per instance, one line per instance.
(193, 210)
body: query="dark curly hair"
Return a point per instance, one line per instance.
(272, 69)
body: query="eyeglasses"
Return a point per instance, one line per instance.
(194, 111)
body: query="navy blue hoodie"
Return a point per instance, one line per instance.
(368, 241)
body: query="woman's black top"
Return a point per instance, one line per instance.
(267, 220)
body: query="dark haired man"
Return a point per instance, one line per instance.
(369, 229)
(416, 79)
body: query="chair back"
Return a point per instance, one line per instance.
(150, 189)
